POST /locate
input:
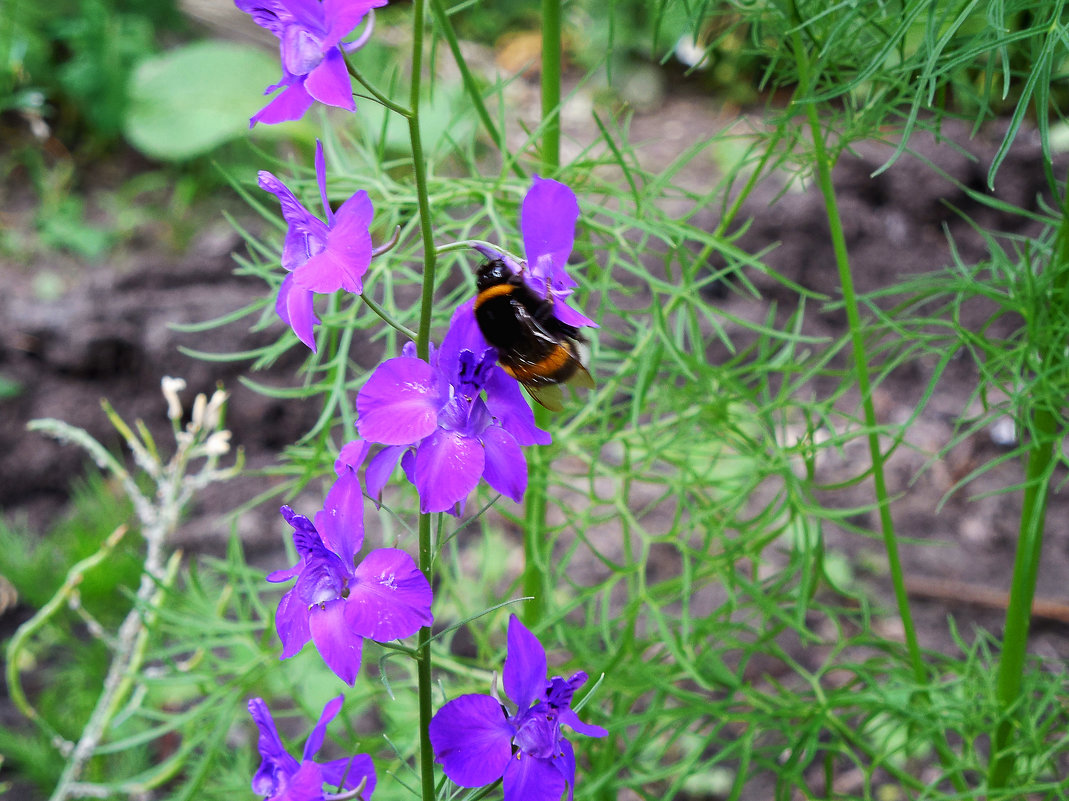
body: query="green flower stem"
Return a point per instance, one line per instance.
(823, 164)
(551, 69)
(534, 525)
(377, 96)
(534, 572)
(423, 671)
(403, 330)
(1038, 473)
(423, 339)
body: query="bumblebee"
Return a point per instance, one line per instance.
(533, 346)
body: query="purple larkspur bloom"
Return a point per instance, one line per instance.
(478, 741)
(337, 604)
(310, 36)
(434, 418)
(547, 222)
(320, 256)
(281, 778)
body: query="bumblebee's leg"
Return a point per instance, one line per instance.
(544, 312)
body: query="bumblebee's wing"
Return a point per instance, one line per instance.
(549, 395)
(581, 377)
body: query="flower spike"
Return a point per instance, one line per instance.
(477, 741)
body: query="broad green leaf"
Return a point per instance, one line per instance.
(194, 98)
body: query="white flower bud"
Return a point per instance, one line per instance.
(200, 403)
(218, 443)
(171, 387)
(213, 412)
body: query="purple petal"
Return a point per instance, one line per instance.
(570, 719)
(508, 406)
(565, 764)
(338, 646)
(379, 469)
(306, 233)
(275, 758)
(329, 82)
(345, 259)
(447, 468)
(290, 105)
(505, 468)
(524, 673)
(408, 465)
(569, 316)
(341, 522)
(351, 455)
(354, 217)
(305, 785)
(315, 739)
(324, 577)
(529, 778)
(399, 403)
(547, 220)
(462, 415)
(293, 211)
(305, 536)
(301, 51)
(268, 14)
(463, 334)
(278, 576)
(472, 740)
(329, 271)
(291, 623)
(355, 769)
(537, 733)
(306, 12)
(344, 15)
(294, 306)
(390, 598)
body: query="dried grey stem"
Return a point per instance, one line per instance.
(203, 438)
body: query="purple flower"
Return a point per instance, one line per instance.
(432, 417)
(477, 741)
(313, 64)
(333, 603)
(547, 222)
(281, 778)
(320, 256)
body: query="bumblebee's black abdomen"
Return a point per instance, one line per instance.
(498, 321)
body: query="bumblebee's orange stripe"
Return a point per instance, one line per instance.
(492, 292)
(548, 367)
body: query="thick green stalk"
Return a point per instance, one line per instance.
(551, 69)
(1022, 591)
(1038, 472)
(861, 365)
(864, 382)
(419, 168)
(823, 164)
